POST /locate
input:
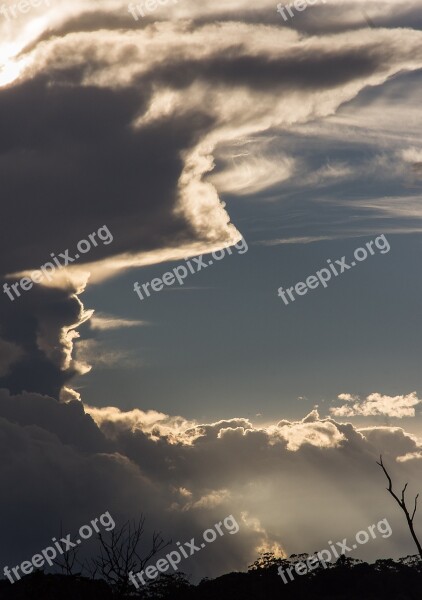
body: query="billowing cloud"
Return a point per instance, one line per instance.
(311, 430)
(377, 405)
(40, 328)
(187, 476)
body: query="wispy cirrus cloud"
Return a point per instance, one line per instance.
(89, 353)
(104, 322)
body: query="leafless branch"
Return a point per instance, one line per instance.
(403, 506)
(67, 561)
(121, 552)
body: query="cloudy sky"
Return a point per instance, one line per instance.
(199, 127)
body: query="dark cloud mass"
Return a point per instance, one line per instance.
(80, 164)
(184, 478)
(70, 168)
(108, 122)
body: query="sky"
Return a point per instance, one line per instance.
(248, 153)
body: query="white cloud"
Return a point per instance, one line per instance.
(150, 422)
(311, 430)
(348, 397)
(298, 240)
(412, 155)
(329, 173)
(103, 321)
(378, 405)
(96, 353)
(250, 166)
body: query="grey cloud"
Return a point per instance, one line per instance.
(301, 70)
(83, 168)
(187, 485)
(68, 422)
(70, 169)
(70, 162)
(330, 18)
(34, 324)
(9, 354)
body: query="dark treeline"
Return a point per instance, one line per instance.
(346, 579)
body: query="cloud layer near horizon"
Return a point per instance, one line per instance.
(185, 476)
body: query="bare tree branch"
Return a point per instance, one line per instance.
(416, 506)
(67, 561)
(120, 554)
(402, 504)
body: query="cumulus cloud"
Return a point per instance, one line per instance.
(150, 421)
(377, 405)
(187, 476)
(311, 430)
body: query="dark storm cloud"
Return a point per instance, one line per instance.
(70, 162)
(71, 159)
(75, 473)
(68, 422)
(34, 323)
(66, 170)
(184, 482)
(53, 485)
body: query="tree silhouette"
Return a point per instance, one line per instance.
(402, 503)
(266, 560)
(67, 561)
(121, 553)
